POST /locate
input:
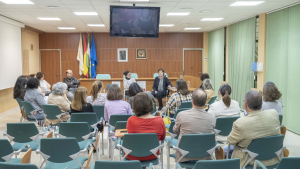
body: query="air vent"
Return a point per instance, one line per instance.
(52, 6)
(204, 11)
(186, 8)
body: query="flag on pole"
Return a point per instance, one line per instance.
(93, 59)
(80, 56)
(85, 67)
(88, 61)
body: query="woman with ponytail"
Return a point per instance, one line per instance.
(97, 98)
(226, 107)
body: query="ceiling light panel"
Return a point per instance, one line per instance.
(16, 1)
(247, 3)
(178, 13)
(212, 19)
(86, 13)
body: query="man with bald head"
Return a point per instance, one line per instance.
(72, 83)
(256, 124)
(194, 121)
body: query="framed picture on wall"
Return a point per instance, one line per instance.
(122, 54)
(141, 54)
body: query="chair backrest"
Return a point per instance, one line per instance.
(140, 143)
(90, 118)
(74, 129)
(156, 74)
(99, 110)
(27, 107)
(51, 111)
(133, 76)
(59, 149)
(266, 147)
(121, 125)
(280, 119)
(212, 100)
(20, 103)
(225, 125)
(186, 105)
(5, 148)
(22, 131)
(108, 86)
(154, 108)
(118, 164)
(17, 166)
(178, 111)
(103, 76)
(289, 162)
(197, 144)
(218, 164)
(171, 128)
(118, 117)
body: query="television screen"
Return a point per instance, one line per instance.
(133, 21)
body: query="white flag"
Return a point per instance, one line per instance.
(80, 56)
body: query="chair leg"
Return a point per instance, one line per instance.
(102, 143)
(162, 157)
(108, 147)
(21, 119)
(168, 156)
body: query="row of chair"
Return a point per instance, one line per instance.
(133, 75)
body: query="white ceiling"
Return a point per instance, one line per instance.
(217, 8)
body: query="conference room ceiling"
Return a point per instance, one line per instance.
(199, 9)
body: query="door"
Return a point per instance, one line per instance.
(25, 62)
(193, 63)
(50, 65)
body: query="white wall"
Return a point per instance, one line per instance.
(10, 53)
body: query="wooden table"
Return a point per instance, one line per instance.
(119, 134)
(87, 82)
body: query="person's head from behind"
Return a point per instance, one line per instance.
(224, 93)
(204, 76)
(114, 93)
(19, 88)
(161, 72)
(127, 74)
(59, 88)
(25, 76)
(182, 87)
(96, 88)
(134, 89)
(32, 75)
(33, 83)
(207, 84)
(142, 104)
(40, 76)
(79, 98)
(271, 92)
(252, 101)
(69, 73)
(199, 98)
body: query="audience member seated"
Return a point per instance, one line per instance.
(20, 88)
(59, 97)
(35, 98)
(79, 103)
(256, 124)
(134, 89)
(202, 78)
(96, 97)
(182, 95)
(72, 83)
(207, 87)
(127, 81)
(160, 87)
(194, 121)
(226, 107)
(271, 98)
(144, 122)
(44, 85)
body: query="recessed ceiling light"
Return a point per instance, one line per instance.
(247, 3)
(66, 28)
(212, 19)
(192, 28)
(166, 25)
(52, 6)
(178, 14)
(204, 11)
(49, 19)
(17, 1)
(99, 25)
(86, 13)
(186, 8)
(134, 0)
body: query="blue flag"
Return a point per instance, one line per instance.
(93, 58)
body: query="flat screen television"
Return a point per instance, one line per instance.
(134, 21)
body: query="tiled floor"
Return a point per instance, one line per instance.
(291, 141)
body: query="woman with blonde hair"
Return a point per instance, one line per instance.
(96, 97)
(79, 103)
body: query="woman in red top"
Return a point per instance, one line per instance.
(144, 122)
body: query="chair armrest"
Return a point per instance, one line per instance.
(150, 166)
(260, 164)
(69, 119)
(172, 135)
(179, 167)
(26, 157)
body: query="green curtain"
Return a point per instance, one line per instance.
(216, 57)
(241, 54)
(283, 62)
